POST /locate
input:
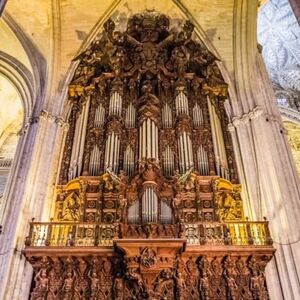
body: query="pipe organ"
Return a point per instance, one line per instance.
(160, 118)
(149, 121)
(147, 169)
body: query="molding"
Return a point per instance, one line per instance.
(47, 116)
(245, 118)
(290, 114)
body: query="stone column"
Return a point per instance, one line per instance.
(27, 198)
(268, 171)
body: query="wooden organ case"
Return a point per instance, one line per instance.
(148, 205)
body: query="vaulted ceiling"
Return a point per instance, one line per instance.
(279, 34)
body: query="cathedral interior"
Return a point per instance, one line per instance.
(150, 149)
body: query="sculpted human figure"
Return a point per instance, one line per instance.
(122, 208)
(68, 286)
(135, 275)
(180, 285)
(176, 203)
(149, 174)
(95, 286)
(119, 288)
(42, 284)
(204, 287)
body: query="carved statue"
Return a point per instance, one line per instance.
(204, 287)
(135, 275)
(227, 206)
(68, 285)
(176, 203)
(72, 207)
(119, 288)
(95, 285)
(181, 286)
(42, 285)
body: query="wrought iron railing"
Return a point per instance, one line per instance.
(66, 234)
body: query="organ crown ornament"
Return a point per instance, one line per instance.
(148, 180)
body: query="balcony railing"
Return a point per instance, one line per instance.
(70, 234)
(66, 234)
(229, 233)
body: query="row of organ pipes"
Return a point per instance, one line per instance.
(168, 161)
(185, 153)
(112, 151)
(149, 205)
(130, 116)
(115, 104)
(181, 104)
(148, 140)
(167, 116)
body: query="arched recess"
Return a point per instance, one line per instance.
(20, 80)
(26, 80)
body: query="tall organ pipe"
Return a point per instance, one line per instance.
(218, 142)
(99, 116)
(94, 165)
(112, 151)
(181, 104)
(185, 153)
(79, 141)
(130, 116)
(148, 137)
(168, 161)
(149, 205)
(166, 116)
(115, 104)
(128, 161)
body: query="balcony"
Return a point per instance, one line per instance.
(66, 234)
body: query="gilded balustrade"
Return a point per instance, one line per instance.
(66, 234)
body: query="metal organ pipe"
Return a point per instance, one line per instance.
(99, 116)
(78, 142)
(130, 116)
(112, 151)
(148, 139)
(129, 161)
(186, 160)
(149, 205)
(166, 116)
(168, 161)
(202, 158)
(82, 135)
(197, 115)
(218, 142)
(115, 104)
(181, 104)
(94, 165)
